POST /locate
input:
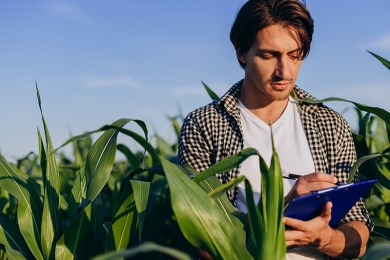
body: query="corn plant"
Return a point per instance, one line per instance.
(53, 207)
(61, 213)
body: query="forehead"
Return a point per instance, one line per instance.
(278, 38)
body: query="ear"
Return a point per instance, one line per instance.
(239, 53)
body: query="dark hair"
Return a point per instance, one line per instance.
(255, 15)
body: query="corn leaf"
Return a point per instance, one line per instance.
(210, 92)
(383, 175)
(141, 191)
(51, 228)
(271, 205)
(226, 164)
(140, 123)
(130, 156)
(379, 112)
(385, 62)
(255, 220)
(378, 251)
(217, 191)
(163, 147)
(175, 125)
(202, 222)
(382, 228)
(72, 238)
(97, 243)
(362, 150)
(213, 186)
(77, 194)
(220, 190)
(29, 205)
(144, 248)
(11, 237)
(139, 139)
(100, 160)
(123, 225)
(14, 254)
(374, 201)
(357, 164)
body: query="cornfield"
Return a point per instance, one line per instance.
(93, 207)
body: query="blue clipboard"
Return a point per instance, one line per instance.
(343, 197)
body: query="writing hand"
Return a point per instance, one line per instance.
(306, 184)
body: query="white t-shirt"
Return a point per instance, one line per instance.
(292, 148)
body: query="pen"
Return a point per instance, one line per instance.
(291, 176)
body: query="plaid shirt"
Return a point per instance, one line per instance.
(214, 132)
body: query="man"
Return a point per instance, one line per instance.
(271, 38)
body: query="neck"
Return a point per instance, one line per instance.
(260, 105)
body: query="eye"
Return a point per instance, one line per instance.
(266, 56)
(294, 56)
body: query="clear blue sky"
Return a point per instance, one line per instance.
(98, 61)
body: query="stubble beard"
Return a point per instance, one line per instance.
(277, 95)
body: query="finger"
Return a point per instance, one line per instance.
(326, 213)
(319, 177)
(294, 223)
(291, 237)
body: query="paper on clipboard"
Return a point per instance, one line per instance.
(343, 198)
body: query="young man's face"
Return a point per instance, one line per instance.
(272, 63)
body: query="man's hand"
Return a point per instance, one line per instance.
(347, 241)
(309, 183)
(313, 233)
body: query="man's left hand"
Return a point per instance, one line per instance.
(313, 233)
(349, 240)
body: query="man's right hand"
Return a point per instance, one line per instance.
(306, 184)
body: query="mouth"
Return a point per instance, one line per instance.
(280, 86)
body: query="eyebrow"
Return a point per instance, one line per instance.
(274, 51)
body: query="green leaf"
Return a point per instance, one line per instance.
(359, 162)
(271, 206)
(104, 128)
(379, 112)
(382, 228)
(176, 126)
(141, 191)
(210, 92)
(77, 194)
(385, 62)
(378, 251)
(130, 156)
(374, 201)
(139, 139)
(163, 147)
(363, 124)
(72, 238)
(11, 237)
(123, 225)
(235, 217)
(362, 150)
(216, 193)
(51, 228)
(14, 254)
(255, 220)
(144, 248)
(29, 205)
(202, 222)
(100, 160)
(226, 164)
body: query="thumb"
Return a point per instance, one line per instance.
(326, 211)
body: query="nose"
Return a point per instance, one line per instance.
(282, 69)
